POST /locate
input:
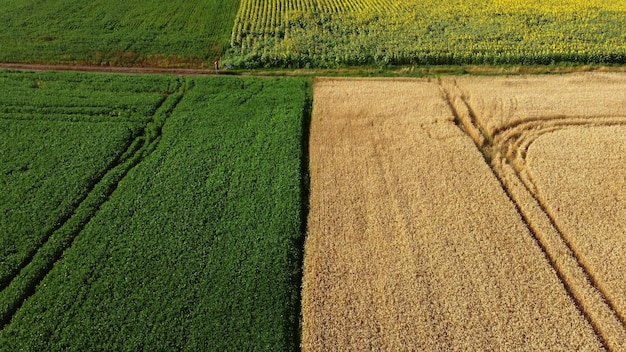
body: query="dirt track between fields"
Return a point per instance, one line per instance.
(349, 71)
(107, 69)
(426, 231)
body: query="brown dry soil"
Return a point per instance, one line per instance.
(469, 213)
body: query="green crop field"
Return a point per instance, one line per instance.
(126, 33)
(170, 218)
(318, 34)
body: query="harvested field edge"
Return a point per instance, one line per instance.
(305, 194)
(505, 154)
(32, 271)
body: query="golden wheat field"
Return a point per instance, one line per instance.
(470, 213)
(585, 192)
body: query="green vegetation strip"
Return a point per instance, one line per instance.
(123, 33)
(72, 96)
(199, 246)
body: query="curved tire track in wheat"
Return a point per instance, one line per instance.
(584, 191)
(567, 178)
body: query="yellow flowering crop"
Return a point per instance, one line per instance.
(347, 32)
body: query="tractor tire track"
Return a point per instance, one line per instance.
(32, 271)
(505, 152)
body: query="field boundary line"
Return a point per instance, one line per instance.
(23, 284)
(408, 72)
(577, 281)
(305, 196)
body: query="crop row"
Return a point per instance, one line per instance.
(272, 17)
(331, 33)
(54, 96)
